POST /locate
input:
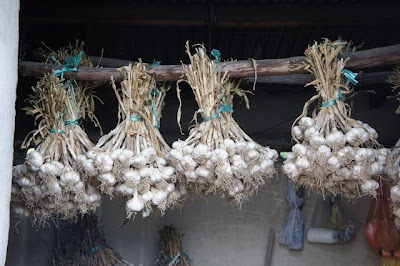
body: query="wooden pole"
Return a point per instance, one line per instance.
(243, 68)
(270, 247)
(302, 79)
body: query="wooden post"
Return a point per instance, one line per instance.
(270, 247)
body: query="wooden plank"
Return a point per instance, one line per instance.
(243, 68)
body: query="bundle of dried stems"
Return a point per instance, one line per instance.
(218, 156)
(171, 253)
(49, 181)
(334, 153)
(129, 161)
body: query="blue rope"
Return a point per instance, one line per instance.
(223, 108)
(58, 131)
(217, 54)
(156, 63)
(351, 76)
(71, 65)
(329, 103)
(94, 249)
(179, 260)
(135, 117)
(339, 97)
(154, 93)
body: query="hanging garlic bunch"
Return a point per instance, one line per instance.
(48, 182)
(218, 156)
(395, 198)
(334, 153)
(129, 161)
(393, 162)
(393, 171)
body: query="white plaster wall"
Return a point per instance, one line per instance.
(9, 10)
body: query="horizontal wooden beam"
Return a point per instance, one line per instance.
(301, 79)
(244, 68)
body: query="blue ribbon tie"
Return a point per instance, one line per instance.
(217, 54)
(135, 117)
(351, 76)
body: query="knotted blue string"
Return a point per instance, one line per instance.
(223, 108)
(156, 63)
(217, 54)
(58, 131)
(179, 255)
(351, 76)
(329, 103)
(135, 117)
(71, 64)
(339, 97)
(154, 93)
(94, 249)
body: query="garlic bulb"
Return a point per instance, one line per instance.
(134, 204)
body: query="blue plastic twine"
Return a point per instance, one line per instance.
(156, 63)
(217, 54)
(339, 97)
(94, 249)
(179, 255)
(329, 103)
(351, 76)
(71, 64)
(154, 93)
(223, 108)
(58, 131)
(135, 117)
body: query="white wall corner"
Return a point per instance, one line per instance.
(9, 23)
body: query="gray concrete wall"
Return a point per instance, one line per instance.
(215, 233)
(220, 234)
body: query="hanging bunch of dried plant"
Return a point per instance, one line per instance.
(48, 182)
(86, 246)
(170, 243)
(218, 156)
(393, 172)
(129, 161)
(65, 56)
(394, 79)
(334, 153)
